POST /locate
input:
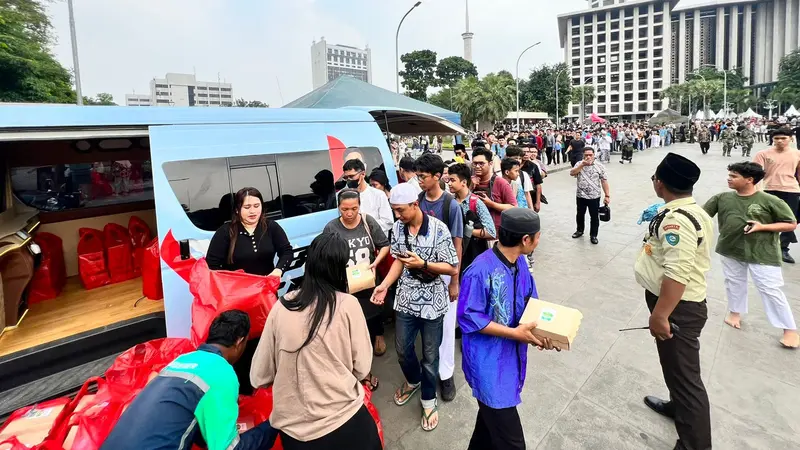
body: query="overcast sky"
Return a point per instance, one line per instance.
(263, 46)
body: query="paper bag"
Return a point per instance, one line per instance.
(360, 278)
(556, 322)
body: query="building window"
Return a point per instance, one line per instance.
(601, 79)
(614, 36)
(628, 35)
(576, 42)
(601, 109)
(614, 108)
(643, 10)
(614, 58)
(628, 76)
(615, 25)
(162, 86)
(642, 95)
(615, 67)
(656, 74)
(642, 20)
(629, 45)
(588, 61)
(576, 70)
(643, 54)
(226, 89)
(601, 88)
(628, 87)
(614, 98)
(201, 88)
(629, 107)
(629, 56)
(587, 40)
(657, 30)
(614, 15)
(601, 98)
(643, 75)
(628, 66)
(629, 12)
(601, 49)
(657, 53)
(588, 18)
(162, 101)
(576, 62)
(576, 31)
(643, 32)
(643, 43)
(601, 38)
(614, 88)
(588, 70)
(658, 42)
(628, 23)
(575, 110)
(642, 106)
(576, 52)
(643, 86)
(588, 51)
(587, 29)
(576, 81)
(658, 18)
(614, 78)
(601, 60)
(614, 47)
(601, 26)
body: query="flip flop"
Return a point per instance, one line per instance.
(405, 391)
(370, 384)
(426, 418)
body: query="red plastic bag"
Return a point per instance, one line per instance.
(92, 258)
(140, 236)
(216, 291)
(255, 410)
(119, 251)
(373, 411)
(95, 416)
(32, 426)
(51, 275)
(137, 365)
(151, 271)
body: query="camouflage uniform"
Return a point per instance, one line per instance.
(704, 137)
(746, 139)
(728, 138)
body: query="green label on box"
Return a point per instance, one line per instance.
(547, 315)
(356, 273)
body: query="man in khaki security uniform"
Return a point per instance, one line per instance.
(672, 268)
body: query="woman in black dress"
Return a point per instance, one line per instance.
(249, 241)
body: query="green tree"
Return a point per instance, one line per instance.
(788, 88)
(468, 98)
(487, 100)
(538, 92)
(444, 98)
(242, 103)
(419, 73)
(583, 94)
(453, 69)
(28, 70)
(103, 98)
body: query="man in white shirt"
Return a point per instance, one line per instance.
(373, 201)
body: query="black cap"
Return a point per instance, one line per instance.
(520, 221)
(678, 172)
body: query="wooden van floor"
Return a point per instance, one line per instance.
(77, 310)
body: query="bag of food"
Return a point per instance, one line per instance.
(255, 410)
(92, 259)
(360, 278)
(119, 251)
(136, 366)
(151, 271)
(141, 236)
(217, 291)
(51, 275)
(95, 415)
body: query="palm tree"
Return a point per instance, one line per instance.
(499, 91)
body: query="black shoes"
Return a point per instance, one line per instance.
(448, 389)
(593, 240)
(787, 258)
(666, 409)
(577, 234)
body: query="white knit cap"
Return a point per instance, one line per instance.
(403, 194)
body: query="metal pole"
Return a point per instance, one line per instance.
(725, 94)
(517, 77)
(583, 105)
(557, 115)
(77, 69)
(397, 46)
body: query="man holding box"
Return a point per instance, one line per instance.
(672, 268)
(493, 295)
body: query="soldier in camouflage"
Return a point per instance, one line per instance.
(746, 139)
(728, 138)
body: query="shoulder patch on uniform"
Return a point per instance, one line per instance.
(672, 239)
(672, 226)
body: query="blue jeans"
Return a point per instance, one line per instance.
(406, 329)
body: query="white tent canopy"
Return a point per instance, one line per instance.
(791, 112)
(750, 114)
(707, 115)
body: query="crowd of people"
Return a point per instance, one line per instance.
(449, 251)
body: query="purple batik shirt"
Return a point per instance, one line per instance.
(494, 289)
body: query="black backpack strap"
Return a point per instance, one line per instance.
(655, 224)
(448, 199)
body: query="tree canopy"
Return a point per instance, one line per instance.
(28, 70)
(102, 98)
(419, 73)
(538, 92)
(488, 99)
(242, 103)
(453, 69)
(788, 88)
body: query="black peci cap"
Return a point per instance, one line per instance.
(520, 221)
(678, 172)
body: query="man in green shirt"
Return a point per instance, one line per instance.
(750, 222)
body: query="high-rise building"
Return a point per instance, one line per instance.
(138, 100)
(630, 50)
(329, 62)
(181, 89)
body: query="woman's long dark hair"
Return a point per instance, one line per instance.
(325, 275)
(236, 218)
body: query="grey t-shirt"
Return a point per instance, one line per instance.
(362, 246)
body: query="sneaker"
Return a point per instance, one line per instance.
(787, 258)
(448, 389)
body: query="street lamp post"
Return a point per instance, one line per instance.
(705, 106)
(583, 99)
(517, 77)
(397, 46)
(74, 39)
(558, 75)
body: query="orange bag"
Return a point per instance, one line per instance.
(92, 259)
(51, 275)
(119, 251)
(216, 291)
(140, 236)
(151, 271)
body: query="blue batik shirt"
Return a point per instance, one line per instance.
(494, 289)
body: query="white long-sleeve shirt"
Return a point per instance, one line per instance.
(376, 204)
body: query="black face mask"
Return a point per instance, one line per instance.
(353, 184)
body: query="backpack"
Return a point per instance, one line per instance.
(448, 198)
(472, 247)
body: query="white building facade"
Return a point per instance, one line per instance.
(181, 89)
(630, 50)
(329, 62)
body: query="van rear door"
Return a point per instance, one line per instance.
(409, 122)
(197, 169)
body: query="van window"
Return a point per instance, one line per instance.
(62, 187)
(292, 184)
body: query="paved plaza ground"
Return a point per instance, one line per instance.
(591, 397)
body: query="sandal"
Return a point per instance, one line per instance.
(371, 382)
(405, 391)
(426, 418)
(380, 346)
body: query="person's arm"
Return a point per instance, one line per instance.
(264, 363)
(679, 241)
(379, 293)
(360, 343)
(712, 206)
(444, 256)
(217, 254)
(488, 231)
(606, 191)
(379, 240)
(576, 170)
(385, 214)
(217, 412)
(782, 217)
(282, 248)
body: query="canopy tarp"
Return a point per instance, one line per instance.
(705, 115)
(348, 91)
(750, 114)
(791, 112)
(595, 118)
(668, 116)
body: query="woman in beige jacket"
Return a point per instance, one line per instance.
(314, 350)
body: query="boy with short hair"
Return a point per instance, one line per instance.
(749, 224)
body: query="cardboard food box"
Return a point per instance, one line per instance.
(360, 278)
(556, 322)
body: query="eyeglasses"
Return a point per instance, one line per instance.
(479, 163)
(352, 177)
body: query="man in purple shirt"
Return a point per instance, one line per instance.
(494, 292)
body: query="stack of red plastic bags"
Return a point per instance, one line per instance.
(84, 422)
(112, 255)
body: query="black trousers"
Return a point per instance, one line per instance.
(497, 429)
(593, 205)
(793, 200)
(375, 327)
(549, 152)
(358, 433)
(704, 146)
(680, 364)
